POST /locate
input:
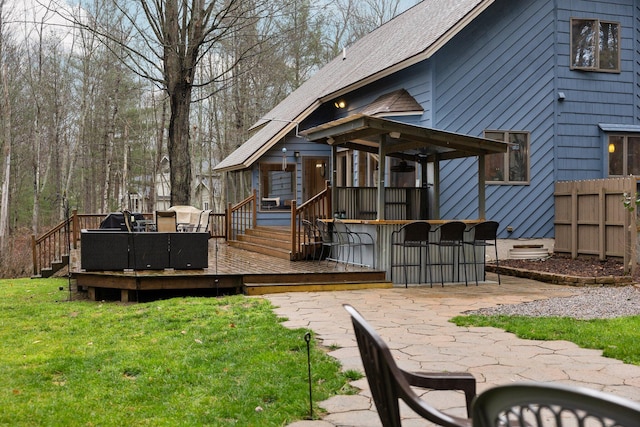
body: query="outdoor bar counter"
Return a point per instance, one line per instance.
(380, 254)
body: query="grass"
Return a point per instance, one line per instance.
(617, 337)
(179, 362)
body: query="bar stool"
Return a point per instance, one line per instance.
(353, 239)
(409, 237)
(483, 234)
(450, 236)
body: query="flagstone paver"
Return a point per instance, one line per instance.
(415, 323)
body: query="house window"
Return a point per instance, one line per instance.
(595, 45)
(624, 155)
(511, 167)
(277, 186)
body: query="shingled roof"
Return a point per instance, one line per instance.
(407, 39)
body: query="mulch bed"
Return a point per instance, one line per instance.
(560, 268)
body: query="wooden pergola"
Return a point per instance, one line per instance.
(389, 138)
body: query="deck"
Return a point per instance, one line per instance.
(230, 271)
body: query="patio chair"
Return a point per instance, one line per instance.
(449, 241)
(483, 234)
(203, 221)
(312, 239)
(557, 405)
(389, 383)
(166, 221)
(329, 242)
(409, 238)
(353, 239)
(127, 220)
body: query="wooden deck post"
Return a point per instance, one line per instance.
(295, 238)
(382, 152)
(75, 224)
(482, 198)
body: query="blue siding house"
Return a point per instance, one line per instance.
(558, 81)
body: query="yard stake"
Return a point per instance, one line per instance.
(307, 338)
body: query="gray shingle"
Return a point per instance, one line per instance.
(408, 38)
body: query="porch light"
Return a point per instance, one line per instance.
(340, 104)
(612, 147)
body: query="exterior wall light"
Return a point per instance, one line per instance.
(340, 104)
(612, 148)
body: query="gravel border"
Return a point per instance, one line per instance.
(589, 303)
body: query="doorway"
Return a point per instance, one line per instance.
(316, 172)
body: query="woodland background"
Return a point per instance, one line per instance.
(84, 105)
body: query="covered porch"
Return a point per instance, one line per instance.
(389, 139)
(381, 210)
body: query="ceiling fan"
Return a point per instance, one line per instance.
(402, 167)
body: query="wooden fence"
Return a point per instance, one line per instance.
(591, 219)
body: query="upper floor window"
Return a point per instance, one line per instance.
(595, 45)
(511, 167)
(624, 155)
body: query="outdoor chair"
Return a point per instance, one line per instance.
(353, 239)
(166, 221)
(330, 242)
(411, 237)
(450, 236)
(483, 234)
(312, 239)
(203, 221)
(557, 405)
(389, 383)
(127, 221)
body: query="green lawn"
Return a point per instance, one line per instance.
(618, 338)
(179, 362)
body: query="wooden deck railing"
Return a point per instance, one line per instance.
(52, 248)
(241, 216)
(303, 243)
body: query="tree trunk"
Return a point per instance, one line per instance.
(178, 144)
(4, 191)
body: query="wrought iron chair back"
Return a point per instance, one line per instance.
(557, 405)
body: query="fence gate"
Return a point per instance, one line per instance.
(591, 219)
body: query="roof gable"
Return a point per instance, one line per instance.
(396, 103)
(408, 38)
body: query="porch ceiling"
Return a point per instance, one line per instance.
(409, 142)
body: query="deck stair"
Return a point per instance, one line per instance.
(261, 284)
(54, 267)
(273, 241)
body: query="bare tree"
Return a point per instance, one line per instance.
(171, 38)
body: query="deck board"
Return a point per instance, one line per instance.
(234, 270)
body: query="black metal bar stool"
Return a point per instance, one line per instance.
(409, 237)
(450, 236)
(482, 235)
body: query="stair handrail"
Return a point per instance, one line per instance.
(50, 247)
(319, 206)
(242, 216)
